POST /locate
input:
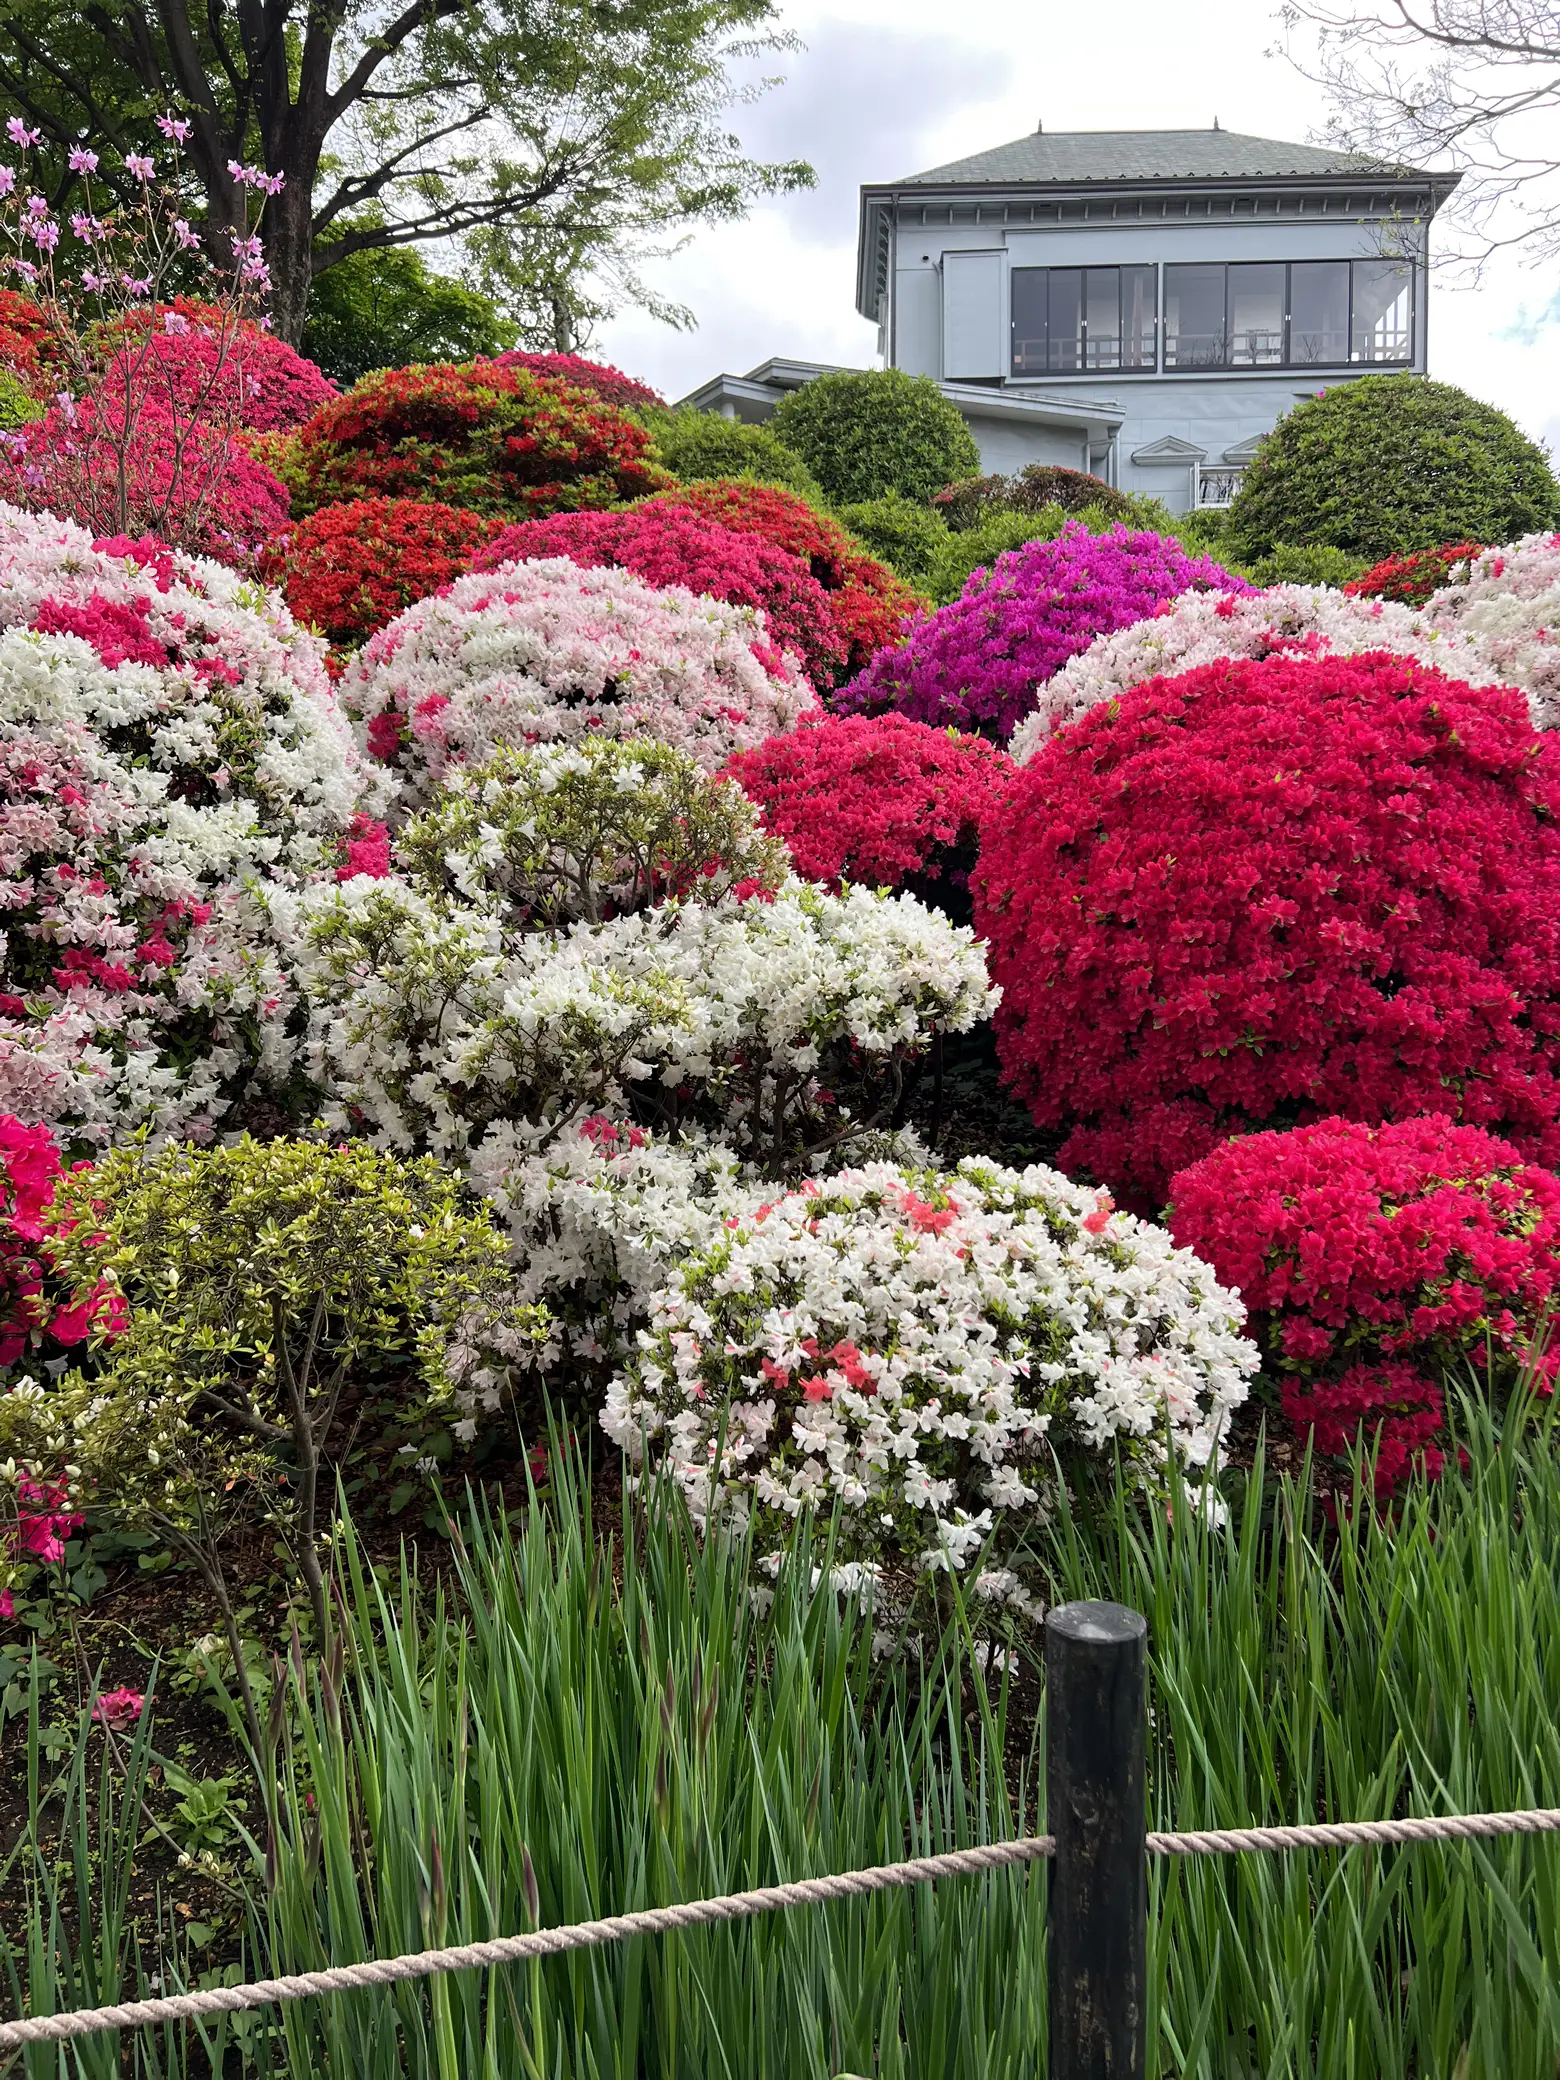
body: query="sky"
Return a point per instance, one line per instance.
(884, 88)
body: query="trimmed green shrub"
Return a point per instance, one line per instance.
(17, 404)
(867, 432)
(1289, 565)
(908, 537)
(1389, 464)
(699, 446)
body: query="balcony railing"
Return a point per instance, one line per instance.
(1216, 486)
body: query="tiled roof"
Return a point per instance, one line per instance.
(1068, 156)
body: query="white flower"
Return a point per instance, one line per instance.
(1507, 605)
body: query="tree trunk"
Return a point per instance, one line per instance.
(289, 252)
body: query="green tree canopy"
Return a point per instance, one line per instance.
(390, 309)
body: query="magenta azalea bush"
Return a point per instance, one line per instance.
(978, 664)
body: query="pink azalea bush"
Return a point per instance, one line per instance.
(538, 652)
(1371, 1259)
(978, 664)
(1506, 601)
(197, 355)
(37, 1313)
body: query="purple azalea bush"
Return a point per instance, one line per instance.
(976, 664)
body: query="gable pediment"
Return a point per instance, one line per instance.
(1244, 451)
(1169, 448)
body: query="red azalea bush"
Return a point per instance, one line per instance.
(493, 440)
(1412, 579)
(350, 569)
(871, 605)
(1266, 891)
(674, 545)
(875, 799)
(1371, 1259)
(599, 377)
(192, 355)
(26, 345)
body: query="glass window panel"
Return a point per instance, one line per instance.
(1194, 317)
(1028, 320)
(1064, 329)
(1102, 317)
(1256, 308)
(1318, 313)
(1383, 311)
(1138, 317)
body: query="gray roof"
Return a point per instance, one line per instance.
(1066, 157)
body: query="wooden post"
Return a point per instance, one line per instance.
(1096, 1665)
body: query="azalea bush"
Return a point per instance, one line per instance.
(476, 435)
(1372, 1261)
(196, 355)
(599, 377)
(38, 1312)
(921, 1351)
(1507, 602)
(540, 652)
(1029, 490)
(173, 757)
(870, 605)
(1264, 891)
(349, 569)
(1413, 578)
(877, 799)
(676, 545)
(979, 663)
(1296, 621)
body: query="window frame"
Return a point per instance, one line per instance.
(1082, 365)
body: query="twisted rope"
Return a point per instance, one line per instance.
(767, 1899)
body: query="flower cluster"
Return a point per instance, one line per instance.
(1201, 627)
(1412, 578)
(598, 377)
(869, 604)
(1508, 603)
(978, 663)
(349, 569)
(545, 651)
(1266, 891)
(472, 434)
(673, 545)
(36, 1520)
(1363, 1252)
(172, 756)
(199, 357)
(917, 1350)
(876, 799)
(36, 1311)
(27, 347)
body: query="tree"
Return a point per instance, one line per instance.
(1470, 83)
(390, 309)
(394, 122)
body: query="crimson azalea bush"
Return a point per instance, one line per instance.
(195, 353)
(1265, 891)
(25, 335)
(978, 663)
(869, 603)
(674, 545)
(37, 1309)
(1412, 579)
(1372, 1259)
(472, 434)
(349, 569)
(876, 799)
(599, 377)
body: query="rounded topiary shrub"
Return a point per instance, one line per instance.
(904, 533)
(699, 446)
(864, 433)
(674, 545)
(870, 605)
(349, 569)
(598, 377)
(1265, 891)
(877, 799)
(1411, 579)
(472, 434)
(1389, 464)
(1030, 490)
(1364, 1253)
(978, 663)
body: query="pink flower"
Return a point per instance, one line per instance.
(7, 1604)
(119, 1708)
(19, 133)
(174, 127)
(139, 165)
(82, 161)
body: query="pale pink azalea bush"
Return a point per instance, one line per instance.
(1199, 628)
(1506, 603)
(537, 652)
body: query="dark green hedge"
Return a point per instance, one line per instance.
(866, 433)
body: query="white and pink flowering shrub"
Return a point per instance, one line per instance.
(1201, 627)
(1506, 602)
(921, 1350)
(535, 652)
(173, 755)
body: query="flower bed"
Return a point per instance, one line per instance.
(1264, 891)
(349, 569)
(1508, 603)
(978, 664)
(674, 545)
(546, 651)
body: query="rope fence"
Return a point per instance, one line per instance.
(736, 1906)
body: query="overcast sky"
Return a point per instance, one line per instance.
(887, 87)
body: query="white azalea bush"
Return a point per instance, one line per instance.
(1201, 627)
(543, 651)
(1506, 602)
(921, 1350)
(173, 756)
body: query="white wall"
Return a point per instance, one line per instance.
(1007, 444)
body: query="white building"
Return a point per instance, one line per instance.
(1144, 304)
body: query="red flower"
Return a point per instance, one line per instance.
(607, 383)
(1412, 579)
(349, 569)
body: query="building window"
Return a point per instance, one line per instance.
(1297, 314)
(1068, 319)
